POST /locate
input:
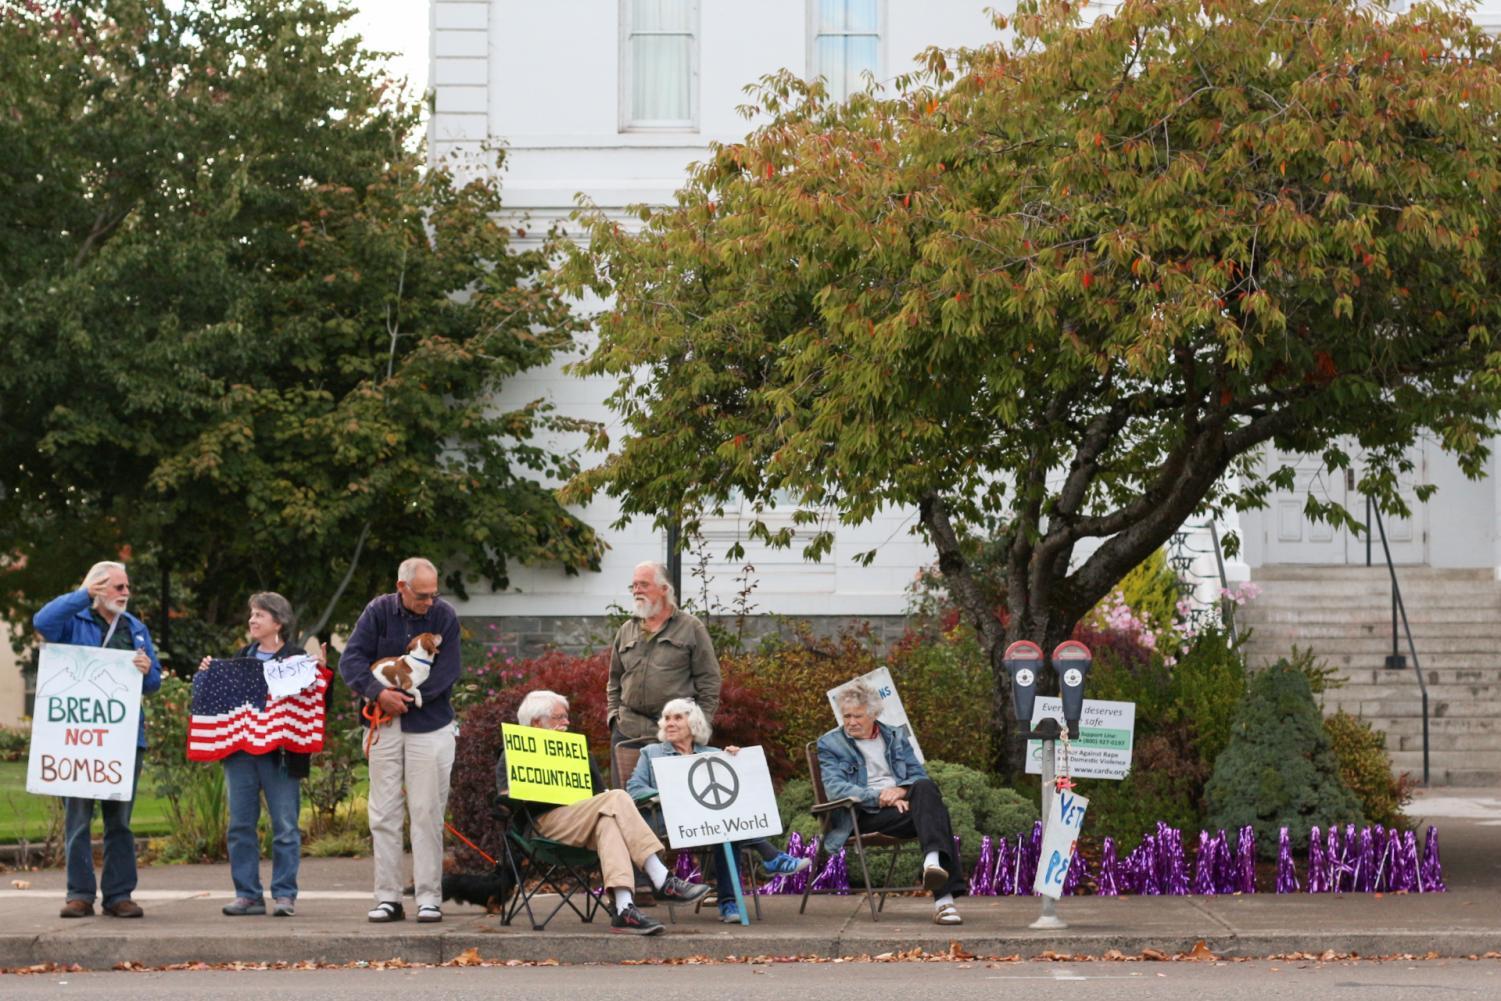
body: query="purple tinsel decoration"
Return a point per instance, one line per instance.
(1109, 885)
(1318, 869)
(1433, 870)
(1078, 871)
(1224, 863)
(1172, 870)
(1028, 851)
(686, 867)
(1412, 861)
(1003, 883)
(1400, 878)
(1334, 858)
(1287, 875)
(1144, 868)
(1365, 863)
(983, 874)
(1245, 861)
(835, 876)
(1203, 884)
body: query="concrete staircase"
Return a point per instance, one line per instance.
(1344, 614)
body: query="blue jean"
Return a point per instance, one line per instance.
(119, 878)
(246, 777)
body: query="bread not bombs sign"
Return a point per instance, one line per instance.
(85, 725)
(546, 766)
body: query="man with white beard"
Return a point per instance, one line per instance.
(661, 654)
(95, 615)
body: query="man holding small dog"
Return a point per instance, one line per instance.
(415, 748)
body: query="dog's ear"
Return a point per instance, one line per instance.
(412, 644)
(437, 641)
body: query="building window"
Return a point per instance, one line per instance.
(659, 64)
(845, 43)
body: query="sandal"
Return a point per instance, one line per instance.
(948, 914)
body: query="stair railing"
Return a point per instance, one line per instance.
(1396, 661)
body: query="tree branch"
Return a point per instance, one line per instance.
(333, 602)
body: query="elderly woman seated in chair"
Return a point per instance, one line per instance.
(607, 823)
(868, 761)
(683, 729)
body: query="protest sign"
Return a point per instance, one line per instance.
(892, 712)
(1103, 750)
(714, 797)
(85, 725)
(546, 766)
(1060, 835)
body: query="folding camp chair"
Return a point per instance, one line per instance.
(623, 758)
(542, 865)
(863, 842)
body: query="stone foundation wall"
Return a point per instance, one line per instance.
(524, 636)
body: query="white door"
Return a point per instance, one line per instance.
(1292, 537)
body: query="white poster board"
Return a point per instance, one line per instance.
(714, 797)
(892, 713)
(1103, 750)
(1060, 836)
(85, 725)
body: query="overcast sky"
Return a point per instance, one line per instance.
(400, 27)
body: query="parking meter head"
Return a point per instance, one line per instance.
(1071, 661)
(1023, 659)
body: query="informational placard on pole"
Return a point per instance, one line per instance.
(85, 725)
(713, 797)
(1060, 836)
(892, 712)
(1103, 750)
(546, 766)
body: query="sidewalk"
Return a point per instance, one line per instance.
(183, 923)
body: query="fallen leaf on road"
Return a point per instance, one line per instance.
(469, 957)
(1200, 951)
(957, 951)
(1155, 955)
(21, 884)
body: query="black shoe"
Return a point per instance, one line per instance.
(631, 921)
(680, 891)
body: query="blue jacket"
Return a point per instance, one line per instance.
(643, 780)
(69, 618)
(843, 769)
(384, 629)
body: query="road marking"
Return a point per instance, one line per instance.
(187, 894)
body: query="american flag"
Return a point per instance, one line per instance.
(232, 711)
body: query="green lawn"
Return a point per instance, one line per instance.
(23, 815)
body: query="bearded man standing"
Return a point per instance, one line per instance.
(661, 654)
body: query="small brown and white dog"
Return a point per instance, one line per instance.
(410, 670)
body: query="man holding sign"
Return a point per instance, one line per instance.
(548, 772)
(95, 616)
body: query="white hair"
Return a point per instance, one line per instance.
(100, 572)
(660, 570)
(407, 572)
(538, 703)
(860, 693)
(698, 723)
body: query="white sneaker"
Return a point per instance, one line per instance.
(429, 913)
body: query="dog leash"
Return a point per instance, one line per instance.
(378, 718)
(454, 831)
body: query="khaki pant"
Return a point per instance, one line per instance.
(608, 824)
(421, 763)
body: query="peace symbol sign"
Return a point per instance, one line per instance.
(713, 783)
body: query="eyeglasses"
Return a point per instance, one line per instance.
(639, 586)
(424, 595)
(120, 587)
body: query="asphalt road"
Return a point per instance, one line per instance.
(1435, 980)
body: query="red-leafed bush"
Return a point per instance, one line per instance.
(746, 717)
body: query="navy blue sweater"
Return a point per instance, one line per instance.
(384, 629)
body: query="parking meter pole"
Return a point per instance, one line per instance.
(1049, 917)
(729, 856)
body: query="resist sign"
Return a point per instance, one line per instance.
(714, 797)
(87, 718)
(1060, 836)
(546, 766)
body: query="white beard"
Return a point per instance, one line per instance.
(648, 609)
(114, 605)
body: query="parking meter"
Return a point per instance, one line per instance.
(1023, 659)
(1071, 662)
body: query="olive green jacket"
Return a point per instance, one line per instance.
(646, 673)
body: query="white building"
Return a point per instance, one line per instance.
(615, 98)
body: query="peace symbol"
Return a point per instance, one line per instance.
(713, 783)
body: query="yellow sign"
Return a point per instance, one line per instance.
(546, 766)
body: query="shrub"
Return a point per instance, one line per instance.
(1151, 589)
(947, 689)
(977, 807)
(1366, 769)
(194, 790)
(14, 743)
(745, 717)
(1279, 769)
(1166, 783)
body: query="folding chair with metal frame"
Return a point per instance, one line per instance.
(825, 810)
(623, 758)
(542, 865)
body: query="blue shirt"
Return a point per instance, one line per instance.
(69, 618)
(643, 781)
(384, 629)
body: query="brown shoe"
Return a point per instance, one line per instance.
(78, 909)
(126, 908)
